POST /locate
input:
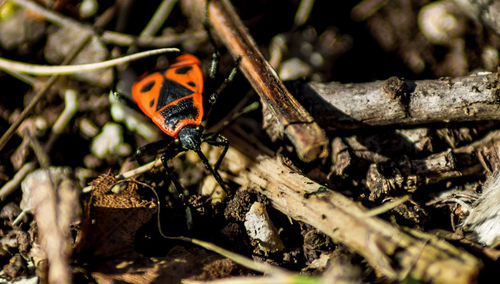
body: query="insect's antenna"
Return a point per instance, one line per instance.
(215, 173)
(215, 54)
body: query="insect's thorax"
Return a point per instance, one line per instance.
(190, 137)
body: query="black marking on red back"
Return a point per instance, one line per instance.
(183, 70)
(184, 109)
(147, 87)
(171, 91)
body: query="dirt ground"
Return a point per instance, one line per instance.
(401, 187)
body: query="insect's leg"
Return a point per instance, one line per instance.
(215, 173)
(150, 148)
(215, 59)
(165, 157)
(215, 55)
(213, 96)
(217, 140)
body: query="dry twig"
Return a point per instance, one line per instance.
(401, 102)
(308, 138)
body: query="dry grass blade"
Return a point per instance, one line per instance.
(280, 279)
(249, 263)
(42, 70)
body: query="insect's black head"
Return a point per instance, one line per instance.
(190, 137)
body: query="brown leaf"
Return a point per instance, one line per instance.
(112, 219)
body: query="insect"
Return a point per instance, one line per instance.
(173, 99)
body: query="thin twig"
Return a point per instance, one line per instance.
(70, 109)
(132, 173)
(262, 267)
(158, 18)
(387, 206)
(40, 154)
(108, 36)
(116, 38)
(22, 77)
(52, 16)
(12, 184)
(105, 17)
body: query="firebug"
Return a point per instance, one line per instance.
(173, 99)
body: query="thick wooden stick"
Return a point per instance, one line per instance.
(391, 251)
(401, 102)
(308, 138)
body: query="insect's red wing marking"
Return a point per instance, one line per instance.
(145, 92)
(175, 100)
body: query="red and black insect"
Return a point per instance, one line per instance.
(173, 99)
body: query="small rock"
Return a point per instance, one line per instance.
(88, 8)
(120, 113)
(260, 228)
